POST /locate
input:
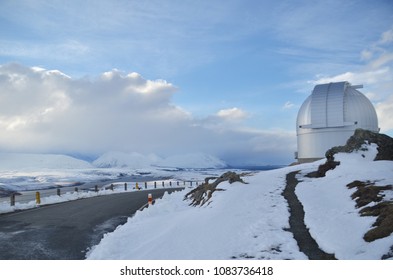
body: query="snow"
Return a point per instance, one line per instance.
(137, 160)
(242, 222)
(27, 173)
(250, 220)
(18, 161)
(119, 159)
(246, 221)
(21, 172)
(195, 160)
(331, 215)
(50, 196)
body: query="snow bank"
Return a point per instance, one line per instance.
(249, 221)
(245, 221)
(330, 213)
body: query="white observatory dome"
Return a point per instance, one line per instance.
(329, 116)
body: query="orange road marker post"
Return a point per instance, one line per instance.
(38, 198)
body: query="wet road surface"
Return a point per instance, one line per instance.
(67, 230)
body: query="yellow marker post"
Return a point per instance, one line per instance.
(137, 187)
(38, 198)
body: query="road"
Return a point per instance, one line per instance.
(67, 230)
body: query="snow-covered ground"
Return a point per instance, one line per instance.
(248, 221)
(331, 215)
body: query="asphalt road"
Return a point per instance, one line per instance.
(67, 230)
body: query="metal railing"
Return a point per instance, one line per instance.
(29, 199)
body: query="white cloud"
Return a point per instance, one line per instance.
(376, 76)
(232, 114)
(386, 37)
(385, 114)
(361, 77)
(48, 111)
(366, 55)
(288, 105)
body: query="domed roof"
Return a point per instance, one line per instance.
(337, 105)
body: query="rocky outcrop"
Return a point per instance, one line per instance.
(371, 195)
(355, 143)
(201, 194)
(360, 137)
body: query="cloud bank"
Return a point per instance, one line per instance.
(48, 111)
(377, 76)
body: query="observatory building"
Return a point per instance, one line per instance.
(329, 116)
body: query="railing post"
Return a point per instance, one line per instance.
(177, 183)
(13, 199)
(76, 189)
(125, 186)
(163, 184)
(111, 187)
(155, 185)
(58, 192)
(37, 198)
(145, 185)
(96, 188)
(170, 183)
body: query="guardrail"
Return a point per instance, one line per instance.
(29, 199)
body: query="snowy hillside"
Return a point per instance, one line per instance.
(18, 161)
(136, 160)
(131, 160)
(251, 221)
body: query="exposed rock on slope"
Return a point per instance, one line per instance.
(360, 137)
(201, 194)
(369, 192)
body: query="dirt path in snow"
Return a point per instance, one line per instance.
(306, 243)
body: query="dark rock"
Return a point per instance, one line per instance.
(201, 194)
(383, 226)
(360, 137)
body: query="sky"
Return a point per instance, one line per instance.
(224, 78)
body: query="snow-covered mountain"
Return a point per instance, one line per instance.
(22, 161)
(196, 160)
(19, 161)
(131, 160)
(136, 160)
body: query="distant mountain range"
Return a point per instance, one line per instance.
(18, 161)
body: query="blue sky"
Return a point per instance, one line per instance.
(236, 68)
